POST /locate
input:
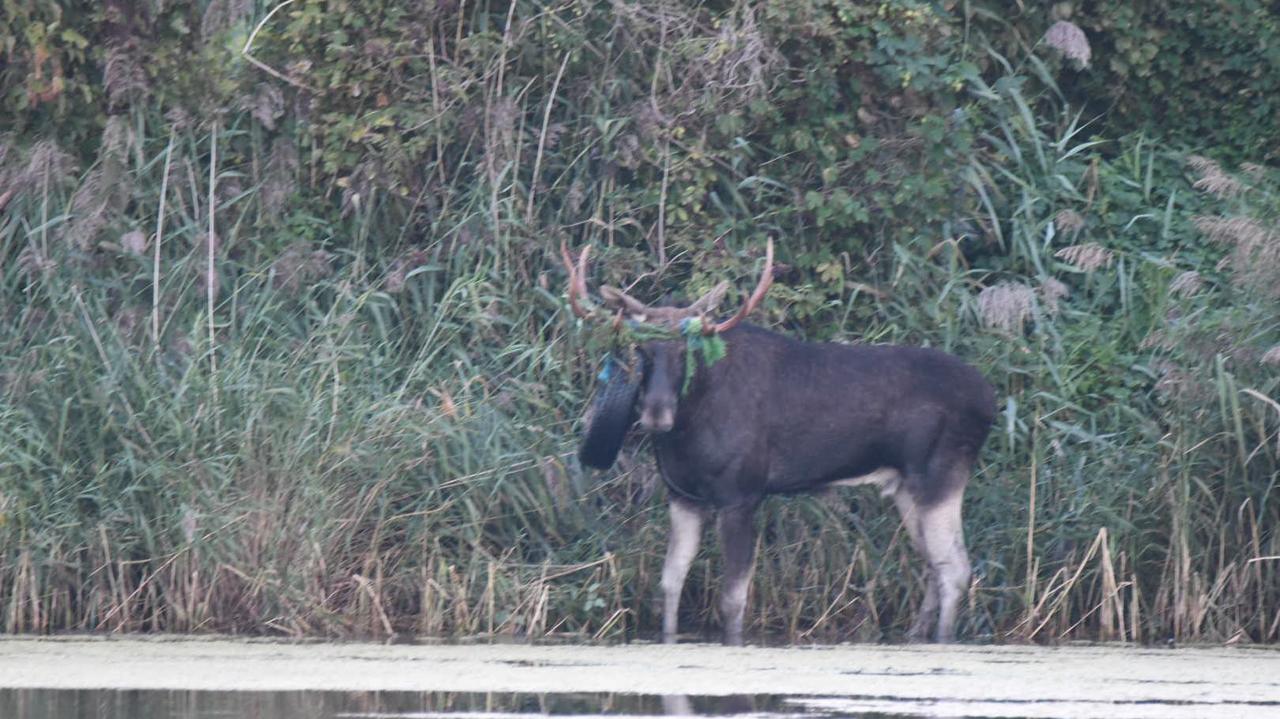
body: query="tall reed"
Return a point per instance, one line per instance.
(265, 371)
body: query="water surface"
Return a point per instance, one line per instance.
(179, 677)
(153, 704)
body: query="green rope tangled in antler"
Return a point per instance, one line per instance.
(619, 340)
(708, 349)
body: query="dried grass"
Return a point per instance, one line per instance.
(398, 273)
(1068, 220)
(1214, 180)
(123, 76)
(300, 266)
(1087, 257)
(1067, 37)
(279, 181)
(1053, 291)
(222, 15)
(1186, 284)
(265, 104)
(134, 242)
(48, 165)
(1255, 255)
(1006, 306)
(33, 264)
(105, 189)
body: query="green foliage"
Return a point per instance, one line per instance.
(700, 350)
(354, 410)
(1196, 73)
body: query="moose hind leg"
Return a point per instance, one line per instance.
(682, 547)
(738, 546)
(928, 612)
(943, 537)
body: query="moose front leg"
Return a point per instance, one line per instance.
(682, 547)
(738, 545)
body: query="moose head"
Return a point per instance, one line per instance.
(664, 361)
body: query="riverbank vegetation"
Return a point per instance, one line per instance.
(284, 349)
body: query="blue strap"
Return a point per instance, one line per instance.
(610, 366)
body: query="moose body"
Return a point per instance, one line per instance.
(776, 415)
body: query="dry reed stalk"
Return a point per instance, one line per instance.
(538, 625)
(542, 138)
(830, 608)
(13, 623)
(1214, 180)
(155, 268)
(211, 242)
(1033, 563)
(146, 581)
(248, 43)
(1109, 607)
(1064, 591)
(608, 623)
(489, 592)
(375, 601)
(495, 97)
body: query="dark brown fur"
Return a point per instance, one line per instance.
(777, 415)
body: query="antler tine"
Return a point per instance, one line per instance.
(577, 278)
(766, 279)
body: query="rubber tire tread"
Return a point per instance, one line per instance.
(614, 412)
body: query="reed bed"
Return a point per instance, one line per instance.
(246, 390)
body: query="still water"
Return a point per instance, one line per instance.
(190, 678)
(151, 704)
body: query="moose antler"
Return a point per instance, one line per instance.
(669, 316)
(766, 279)
(577, 278)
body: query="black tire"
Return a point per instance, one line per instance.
(611, 414)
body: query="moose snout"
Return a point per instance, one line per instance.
(657, 419)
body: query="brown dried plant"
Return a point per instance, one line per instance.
(1088, 257)
(741, 60)
(1186, 284)
(107, 187)
(1052, 291)
(298, 266)
(1067, 37)
(46, 167)
(223, 14)
(123, 76)
(33, 264)
(265, 104)
(279, 181)
(1006, 306)
(399, 271)
(1255, 255)
(1068, 220)
(1213, 179)
(1272, 356)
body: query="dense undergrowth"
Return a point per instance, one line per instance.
(283, 347)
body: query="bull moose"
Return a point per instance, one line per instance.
(776, 415)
